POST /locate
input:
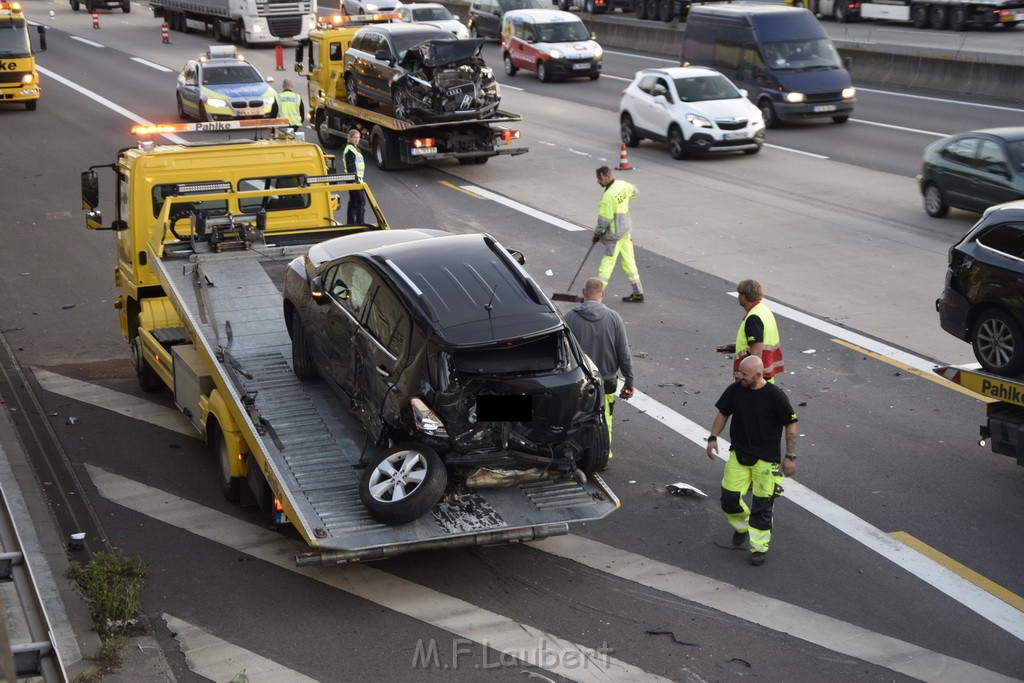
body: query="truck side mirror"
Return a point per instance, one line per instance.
(42, 38)
(90, 190)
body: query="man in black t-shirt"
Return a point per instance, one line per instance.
(760, 413)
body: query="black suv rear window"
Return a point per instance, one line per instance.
(536, 355)
(1006, 238)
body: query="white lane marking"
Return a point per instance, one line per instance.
(87, 41)
(944, 100)
(131, 116)
(115, 401)
(653, 59)
(158, 67)
(797, 151)
(902, 128)
(832, 330)
(523, 208)
(522, 641)
(967, 594)
(617, 78)
(512, 87)
(218, 660)
(819, 629)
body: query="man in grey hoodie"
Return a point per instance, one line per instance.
(602, 335)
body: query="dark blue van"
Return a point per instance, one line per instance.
(780, 55)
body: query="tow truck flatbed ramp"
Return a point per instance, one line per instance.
(311, 444)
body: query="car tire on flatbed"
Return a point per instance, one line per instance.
(998, 342)
(403, 483)
(302, 361)
(596, 454)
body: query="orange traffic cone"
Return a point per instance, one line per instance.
(623, 161)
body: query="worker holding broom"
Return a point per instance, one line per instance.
(614, 231)
(602, 335)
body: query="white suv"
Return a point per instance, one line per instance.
(693, 108)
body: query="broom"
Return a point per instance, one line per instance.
(566, 296)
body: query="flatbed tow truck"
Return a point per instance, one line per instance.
(1004, 427)
(204, 233)
(393, 142)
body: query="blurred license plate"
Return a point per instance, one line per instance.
(248, 112)
(735, 136)
(504, 408)
(825, 107)
(581, 67)
(423, 151)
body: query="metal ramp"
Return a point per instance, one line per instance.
(311, 444)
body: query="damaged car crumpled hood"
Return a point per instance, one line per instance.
(445, 80)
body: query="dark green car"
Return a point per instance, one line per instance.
(973, 171)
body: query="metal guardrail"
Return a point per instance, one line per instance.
(39, 657)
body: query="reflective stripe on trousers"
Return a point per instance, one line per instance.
(757, 520)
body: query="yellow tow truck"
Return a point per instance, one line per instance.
(1004, 427)
(394, 142)
(19, 80)
(204, 233)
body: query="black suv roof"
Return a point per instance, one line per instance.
(469, 288)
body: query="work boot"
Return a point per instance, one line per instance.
(739, 538)
(757, 558)
(634, 298)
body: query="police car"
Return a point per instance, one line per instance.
(220, 85)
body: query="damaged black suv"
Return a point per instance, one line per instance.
(423, 72)
(452, 358)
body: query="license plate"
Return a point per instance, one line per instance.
(504, 408)
(825, 107)
(735, 136)
(423, 151)
(248, 112)
(581, 67)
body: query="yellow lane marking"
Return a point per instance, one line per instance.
(474, 195)
(931, 376)
(990, 587)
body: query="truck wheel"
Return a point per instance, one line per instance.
(641, 9)
(381, 155)
(841, 11)
(630, 138)
(403, 483)
(126, 8)
(543, 75)
(302, 360)
(510, 68)
(919, 16)
(768, 113)
(998, 342)
(31, 104)
(958, 18)
(595, 456)
(939, 17)
(230, 486)
(323, 133)
(652, 9)
(75, 5)
(677, 143)
(148, 379)
(665, 10)
(934, 205)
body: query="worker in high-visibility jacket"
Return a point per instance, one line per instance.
(354, 163)
(758, 334)
(614, 231)
(289, 105)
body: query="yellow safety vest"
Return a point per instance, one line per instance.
(288, 106)
(771, 354)
(360, 164)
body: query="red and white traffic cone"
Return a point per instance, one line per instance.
(623, 161)
(95, 19)
(279, 58)
(165, 34)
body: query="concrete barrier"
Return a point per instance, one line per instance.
(955, 73)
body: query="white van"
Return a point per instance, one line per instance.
(553, 43)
